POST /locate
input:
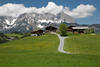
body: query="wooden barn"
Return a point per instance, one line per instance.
(51, 29)
(77, 29)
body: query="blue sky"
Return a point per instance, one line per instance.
(67, 3)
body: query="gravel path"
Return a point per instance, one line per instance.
(61, 44)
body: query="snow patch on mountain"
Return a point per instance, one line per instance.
(10, 22)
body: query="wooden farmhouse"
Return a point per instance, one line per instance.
(77, 29)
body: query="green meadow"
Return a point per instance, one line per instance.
(42, 51)
(83, 44)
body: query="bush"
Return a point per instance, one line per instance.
(3, 38)
(63, 29)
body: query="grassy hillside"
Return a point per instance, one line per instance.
(41, 52)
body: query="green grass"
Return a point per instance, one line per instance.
(83, 44)
(42, 52)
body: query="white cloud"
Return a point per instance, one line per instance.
(14, 9)
(51, 8)
(81, 11)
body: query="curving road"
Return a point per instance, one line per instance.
(61, 44)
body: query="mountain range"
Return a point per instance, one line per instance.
(29, 21)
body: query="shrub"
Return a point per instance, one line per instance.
(3, 38)
(63, 29)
